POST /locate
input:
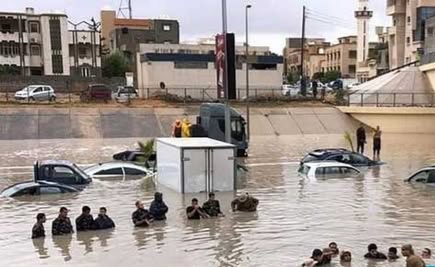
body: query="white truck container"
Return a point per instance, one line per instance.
(194, 165)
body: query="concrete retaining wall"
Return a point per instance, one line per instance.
(57, 123)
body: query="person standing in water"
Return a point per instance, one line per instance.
(377, 143)
(361, 139)
(411, 259)
(38, 229)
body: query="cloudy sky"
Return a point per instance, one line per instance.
(270, 20)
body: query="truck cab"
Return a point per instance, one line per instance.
(212, 119)
(60, 171)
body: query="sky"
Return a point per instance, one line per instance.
(271, 21)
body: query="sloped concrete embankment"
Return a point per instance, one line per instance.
(50, 123)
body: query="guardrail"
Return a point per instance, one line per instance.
(391, 99)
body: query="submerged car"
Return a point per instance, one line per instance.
(60, 171)
(117, 170)
(425, 175)
(340, 155)
(328, 170)
(36, 93)
(37, 188)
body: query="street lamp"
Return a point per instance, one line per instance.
(247, 72)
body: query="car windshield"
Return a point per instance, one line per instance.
(80, 171)
(309, 158)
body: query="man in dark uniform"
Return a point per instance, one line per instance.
(360, 139)
(158, 208)
(62, 224)
(103, 221)
(85, 221)
(315, 85)
(38, 228)
(212, 206)
(244, 203)
(141, 217)
(195, 212)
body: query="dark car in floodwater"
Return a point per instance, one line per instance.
(62, 172)
(340, 155)
(37, 188)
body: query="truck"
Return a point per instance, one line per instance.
(60, 171)
(212, 120)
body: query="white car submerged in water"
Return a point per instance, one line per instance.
(117, 171)
(328, 170)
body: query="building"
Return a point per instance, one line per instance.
(42, 44)
(363, 16)
(126, 34)
(429, 46)
(314, 55)
(84, 52)
(407, 35)
(342, 57)
(34, 44)
(193, 66)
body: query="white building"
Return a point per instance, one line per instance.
(41, 44)
(180, 66)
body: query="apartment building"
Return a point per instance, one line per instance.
(43, 44)
(407, 35)
(342, 57)
(314, 55)
(34, 44)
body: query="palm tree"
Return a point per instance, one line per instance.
(348, 138)
(147, 148)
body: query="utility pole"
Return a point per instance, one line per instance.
(303, 84)
(127, 7)
(247, 74)
(130, 9)
(226, 89)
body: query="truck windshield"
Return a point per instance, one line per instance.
(237, 129)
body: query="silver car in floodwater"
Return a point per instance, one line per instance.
(36, 93)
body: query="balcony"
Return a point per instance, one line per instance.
(398, 8)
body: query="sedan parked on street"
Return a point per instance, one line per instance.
(36, 93)
(125, 93)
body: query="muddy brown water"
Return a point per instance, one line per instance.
(294, 217)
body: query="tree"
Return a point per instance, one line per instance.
(115, 65)
(332, 75)
(292, 77)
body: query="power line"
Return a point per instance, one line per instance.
(324, 21)
(319, 13)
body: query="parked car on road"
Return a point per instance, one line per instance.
(117, 170)
(124, 93)
(425, 175)
(328, 170)
(36, 93)
(37, 188)
(96, 92)
(340, 155)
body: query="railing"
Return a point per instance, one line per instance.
(391, 99)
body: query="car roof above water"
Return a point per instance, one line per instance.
(327, 164)
(328, 151)
(56, 162)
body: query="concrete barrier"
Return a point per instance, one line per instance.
(94, 123)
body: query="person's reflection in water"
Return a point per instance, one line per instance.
(140, 235)
(159, 228)
(104, 236)
(376, 171)
(39, 244)
(63, 243)
(86, 239)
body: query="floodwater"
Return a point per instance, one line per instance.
(294, 217)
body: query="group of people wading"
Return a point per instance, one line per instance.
(141, 217)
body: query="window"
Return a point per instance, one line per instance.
(114, 171)
(352, 54)
(58, 171)
(34, 27)
(49, 190)
(166, 28)
(6, 27)
(55, 34)
(359, 159)
(57, 62)
(190, 65)
(82, 52)
(35, 50)
(349, 172)
(85, 71)
(38, 90)
(408, 40)
(430, 31)
(420, 177)
(408, 19)
(131, 171)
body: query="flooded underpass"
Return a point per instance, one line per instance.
(294, 216)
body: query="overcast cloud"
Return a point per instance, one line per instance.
(270, 20)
